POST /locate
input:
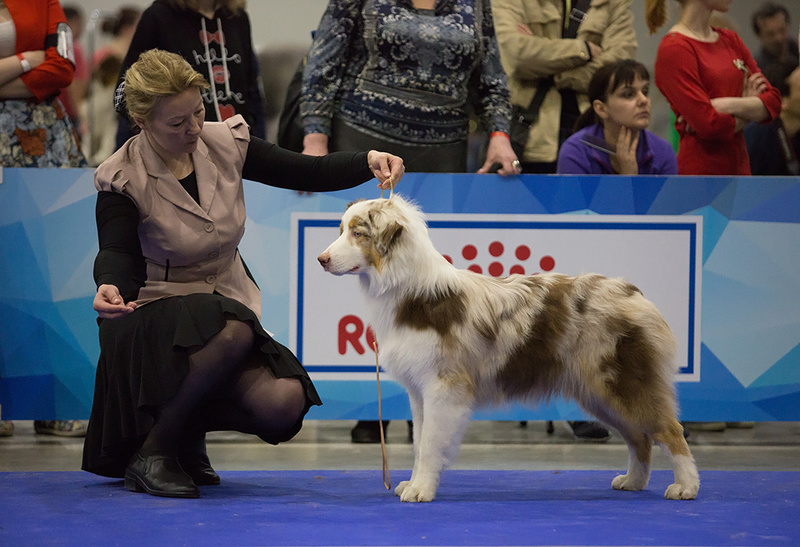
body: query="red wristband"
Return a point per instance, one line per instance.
(499, 133)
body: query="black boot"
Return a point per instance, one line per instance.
(159, 475)
(194, 460)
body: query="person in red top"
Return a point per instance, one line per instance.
(713, 85)
(36, 63)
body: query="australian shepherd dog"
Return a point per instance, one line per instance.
(457, 340)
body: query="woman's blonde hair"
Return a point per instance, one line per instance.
(232, 7)
(156, 75)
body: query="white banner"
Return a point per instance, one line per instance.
(661, 255)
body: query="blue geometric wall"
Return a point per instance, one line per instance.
(750, 354)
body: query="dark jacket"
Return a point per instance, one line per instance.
(234, 79)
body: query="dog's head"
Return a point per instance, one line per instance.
(369, 231)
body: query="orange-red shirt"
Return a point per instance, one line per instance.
(690, 73)
(35, 20)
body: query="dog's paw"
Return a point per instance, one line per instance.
(398, 491)
(681, 492)
(626, 482)
(413, 493)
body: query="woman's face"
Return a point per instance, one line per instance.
(627, 106)
(175, 124)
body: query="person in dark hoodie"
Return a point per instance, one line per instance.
(200, 31)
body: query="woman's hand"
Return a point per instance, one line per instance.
(109, 304)
(500, 153)
(625, 162)
(387, 168)
(754, 85)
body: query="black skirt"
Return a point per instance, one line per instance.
(143, 359)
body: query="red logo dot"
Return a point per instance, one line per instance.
(517, 269)
(547, 263)
(469, 252)
(475, 268)
(447, 258)
(522, 252)
(496, 249)
(495, 269)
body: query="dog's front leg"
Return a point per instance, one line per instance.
(417, 415)
(446, 411)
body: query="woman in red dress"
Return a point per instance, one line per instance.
(713, 85)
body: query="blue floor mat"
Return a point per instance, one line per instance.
(353, 508)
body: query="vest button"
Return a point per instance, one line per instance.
(209, 227)
(210, 279)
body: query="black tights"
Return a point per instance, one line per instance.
(257, 402)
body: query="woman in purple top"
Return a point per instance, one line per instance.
(611, 138)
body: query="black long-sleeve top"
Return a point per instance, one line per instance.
(120, 261)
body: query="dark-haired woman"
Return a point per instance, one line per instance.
(612, 138)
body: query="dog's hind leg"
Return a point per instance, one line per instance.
(447, 410)
(687, 480)
(640, 447)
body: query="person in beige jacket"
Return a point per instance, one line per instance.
(532, 50)
(182, 349)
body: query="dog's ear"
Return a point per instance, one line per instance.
(387, 237)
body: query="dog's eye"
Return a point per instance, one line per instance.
(357, 234)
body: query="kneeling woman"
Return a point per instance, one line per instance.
(182, 348)
(611, 137)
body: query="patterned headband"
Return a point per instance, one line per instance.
(120, 105)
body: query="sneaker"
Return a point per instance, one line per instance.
(6, 428)
(591, 432)
(61, 428)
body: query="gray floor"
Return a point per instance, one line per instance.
(768, 446)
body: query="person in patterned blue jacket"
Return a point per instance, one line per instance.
(405, 75)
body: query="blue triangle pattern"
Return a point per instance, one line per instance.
(714, 225)
(785, 371)
(723, 202)
(684, 194)
(614, 195)
(773, 198)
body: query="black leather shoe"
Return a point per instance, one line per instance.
(591, 432)
(194, 460)
(368, 431)
(159, 476)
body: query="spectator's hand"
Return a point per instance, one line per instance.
(315, 144)
(625, 161)
(34, 57)
(523, 28)
(686, 127)
(387, 168)
(594, 49)
(754, 85)
(500, 153)
(109, 304)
